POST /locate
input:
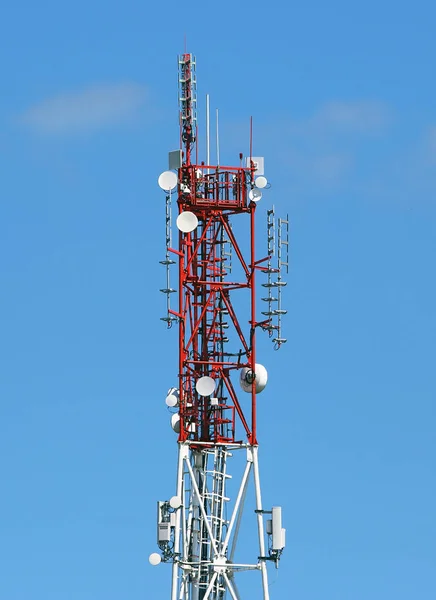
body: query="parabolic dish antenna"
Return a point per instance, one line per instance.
(155, 559)
(255, 195)
(186, 221)
(171, 400)
(205, 386)
(246, 378)
(175, 422)
(175, 502)
(167, 180)
(261, 182)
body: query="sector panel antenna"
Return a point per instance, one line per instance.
(186, 221)
(205, 386)
(167, 181)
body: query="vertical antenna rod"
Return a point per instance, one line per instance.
(217, 140)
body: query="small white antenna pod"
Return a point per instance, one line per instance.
(246, 378)
(205, 386)
(167, 180)
(175, 422)
(255, 195)
(186, 221)
(155, 559)
(261, 182)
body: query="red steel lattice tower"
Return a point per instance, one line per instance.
(217, 326)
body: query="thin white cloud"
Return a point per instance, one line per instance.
(337, 118)
(322, 147)
(89, 109)
(354, 117)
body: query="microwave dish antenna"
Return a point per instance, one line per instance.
(186, 222)
(255, 195)
(205, 386)
(167, 181)
(261, 182)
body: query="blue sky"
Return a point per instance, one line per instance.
(343, 105)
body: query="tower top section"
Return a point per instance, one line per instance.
(187, 104)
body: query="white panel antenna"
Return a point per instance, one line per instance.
(174, 160)
(258, 162)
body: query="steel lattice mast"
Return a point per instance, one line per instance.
(198, 528)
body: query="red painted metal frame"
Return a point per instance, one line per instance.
(215, 195)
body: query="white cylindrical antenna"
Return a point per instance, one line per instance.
(277, 531)
(207, 132)
(217, 141)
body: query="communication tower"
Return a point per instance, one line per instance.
(213, 305)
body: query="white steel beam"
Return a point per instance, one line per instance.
(260, 523)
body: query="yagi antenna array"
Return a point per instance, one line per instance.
(278, 249)
(167, 181)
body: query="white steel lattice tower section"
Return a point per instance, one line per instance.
(199, 526)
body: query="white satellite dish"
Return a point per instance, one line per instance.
(246, 378)
(167, 180)
(261, 182)
(255, 195)
(172, 398)
(186, 221)
(175, 422)
(175, 502)
(155, 559)
(205, 386)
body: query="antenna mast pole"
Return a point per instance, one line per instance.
(198, 528)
